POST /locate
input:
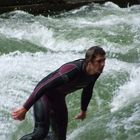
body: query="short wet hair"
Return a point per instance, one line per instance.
(92, 52)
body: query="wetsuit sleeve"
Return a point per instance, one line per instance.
(66, 73)
(86, 95)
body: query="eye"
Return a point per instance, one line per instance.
(100, 61)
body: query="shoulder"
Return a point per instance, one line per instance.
(73, 65)
(68, 68)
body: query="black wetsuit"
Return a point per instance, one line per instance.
(49, 96)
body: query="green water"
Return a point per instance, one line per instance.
(33, 46)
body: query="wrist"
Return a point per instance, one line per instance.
(24, 109)
(83, 112)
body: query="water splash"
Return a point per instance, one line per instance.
(129, 92)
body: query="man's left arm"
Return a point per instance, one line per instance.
(85, 99)
(86, 96)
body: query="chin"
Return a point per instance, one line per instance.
(99, 72)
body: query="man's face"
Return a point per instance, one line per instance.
(96, 66)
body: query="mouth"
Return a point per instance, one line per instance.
(101, 70)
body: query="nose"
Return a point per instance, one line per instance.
(103, 63)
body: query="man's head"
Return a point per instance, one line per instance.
(95, 60)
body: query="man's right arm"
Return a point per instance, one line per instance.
(66, 73)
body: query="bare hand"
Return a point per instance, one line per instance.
(81, 115)
(19, 114)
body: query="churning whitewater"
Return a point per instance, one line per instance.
(33, 46)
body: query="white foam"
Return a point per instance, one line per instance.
(129, 123)
(41, 35)
(117, 65)
(128, 92)
(106, 21)
(112, 5)
(76, 132)
(32, 32)
(39, 31)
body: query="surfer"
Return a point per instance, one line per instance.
(49, 95)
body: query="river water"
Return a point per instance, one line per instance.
(33, 46)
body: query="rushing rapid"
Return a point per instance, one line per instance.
(33, 46)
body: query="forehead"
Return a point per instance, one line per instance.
(100, 57)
